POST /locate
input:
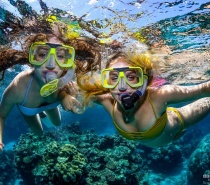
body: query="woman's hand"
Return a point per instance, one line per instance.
(71, 89)
(70, 98)
(69, 102)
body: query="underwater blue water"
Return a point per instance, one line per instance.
(101, 122)
(182, 24)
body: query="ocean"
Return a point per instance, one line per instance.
(86, 148)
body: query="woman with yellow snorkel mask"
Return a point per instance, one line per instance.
(53, 56)
(140, 109)
(36, 91)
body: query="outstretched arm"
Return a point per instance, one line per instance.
(68, 101)
(177, 93)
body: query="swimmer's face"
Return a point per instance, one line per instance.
(50, 65)
(122, 87)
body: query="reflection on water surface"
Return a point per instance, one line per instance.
(172, 28)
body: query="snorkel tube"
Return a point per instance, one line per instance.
(128, 100)
(54, 84)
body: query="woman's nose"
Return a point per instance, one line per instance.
(122, 86)
(50, 62)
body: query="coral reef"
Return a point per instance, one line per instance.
(88, 159)
(74, 157)
(46, 161)
(199, 163)
(161, 159)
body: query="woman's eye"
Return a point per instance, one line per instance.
(60, 56)
(42, 55)
(114, 78)
(131, 77)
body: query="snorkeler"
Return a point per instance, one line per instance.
(139, 109)
(35, 91)
(56, 57)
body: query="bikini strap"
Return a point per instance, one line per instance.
(27, 91)
(152, 105)
(177, 135)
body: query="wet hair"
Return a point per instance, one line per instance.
(136, 60)
(90, 86)
(87, 57)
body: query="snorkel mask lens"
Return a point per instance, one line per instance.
(133, 76)
(40, 52)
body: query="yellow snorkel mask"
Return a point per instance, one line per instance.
(40, 52)
(133, 76)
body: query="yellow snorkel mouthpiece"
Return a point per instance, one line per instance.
(49, 88)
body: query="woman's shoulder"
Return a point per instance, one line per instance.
(20, 82)
(25, 73)
(18, 86)
(23, 76)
